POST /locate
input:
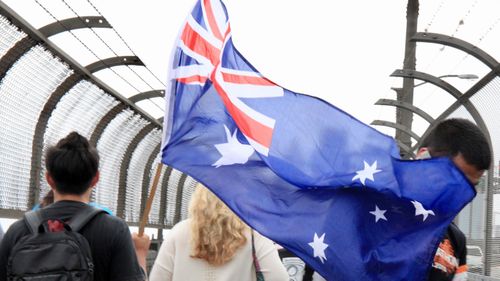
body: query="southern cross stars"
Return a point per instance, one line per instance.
(233, 152)
(366, 173)
(420, 210)
(379, 214)
(319, 247)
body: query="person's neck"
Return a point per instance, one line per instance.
(84, 198)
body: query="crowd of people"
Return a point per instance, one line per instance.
(212, 244)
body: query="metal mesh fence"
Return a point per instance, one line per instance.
(79, 110)
(23, 92)
(173, 183)
(478, 220)
(487, 101)
(135, 175)
(44, 95)
(113, 144)
(189, 187)
(10, 35)
(154, 215)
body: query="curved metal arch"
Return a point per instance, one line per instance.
(147, 95)
(462, 99)
(447, 40)
(14, 54)
(400, 127)
(408, 150)
(103, 123)
(74, 23)
(146, 178)
(41, 126)
(405, 73)
(38, 37)
(163, 196)
(407, 106)
(127, 156)
(113, 61)
(465, 99)
(178, 198)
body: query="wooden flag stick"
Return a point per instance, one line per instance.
(147, 209)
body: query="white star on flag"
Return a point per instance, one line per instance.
(420, 210)
(379, 214)
(366, 173)
(319, 247)
(233, 152)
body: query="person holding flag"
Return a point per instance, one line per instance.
(300, 171)
(465, 144)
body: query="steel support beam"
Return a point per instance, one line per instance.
(146, 178)
(104, 122)
(462, 99)
(406, 106)
(41, 126)
(74, 23)
(112, 62)
(163, 196)
(396, 126)
(14, 54)
(456, 43)
(178, 199)
(408, 150)
(127, 156)
(406, 73)
(147, 95)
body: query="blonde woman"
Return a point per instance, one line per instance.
(214, 244)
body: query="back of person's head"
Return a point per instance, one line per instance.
(459, 136)
(72, 163)
(216, 232)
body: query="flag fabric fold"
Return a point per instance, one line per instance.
(300, 171)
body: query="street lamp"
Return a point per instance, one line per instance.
(460, 76)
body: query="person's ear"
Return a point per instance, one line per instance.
(423, 153)
(50, 180)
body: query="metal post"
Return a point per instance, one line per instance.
(403, 117)
(489, 222)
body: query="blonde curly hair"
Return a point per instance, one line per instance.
(216, 232)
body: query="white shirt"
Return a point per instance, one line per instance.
(174, 263)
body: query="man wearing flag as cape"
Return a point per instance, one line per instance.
(298, 170)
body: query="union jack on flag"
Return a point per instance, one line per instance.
(300, 171)
(202, 53)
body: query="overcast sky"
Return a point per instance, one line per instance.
(341, 51)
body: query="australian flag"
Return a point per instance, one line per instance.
(298, 170)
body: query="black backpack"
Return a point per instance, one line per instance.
(53, 256)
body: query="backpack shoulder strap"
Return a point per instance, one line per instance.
(33, 220)
(83, 217)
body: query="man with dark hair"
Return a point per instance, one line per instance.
(465, 144)
(72, 172)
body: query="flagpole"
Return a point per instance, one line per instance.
(147, 209)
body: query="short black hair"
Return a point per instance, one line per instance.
(453, 136)
(72, 163)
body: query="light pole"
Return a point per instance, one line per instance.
(460, 76)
